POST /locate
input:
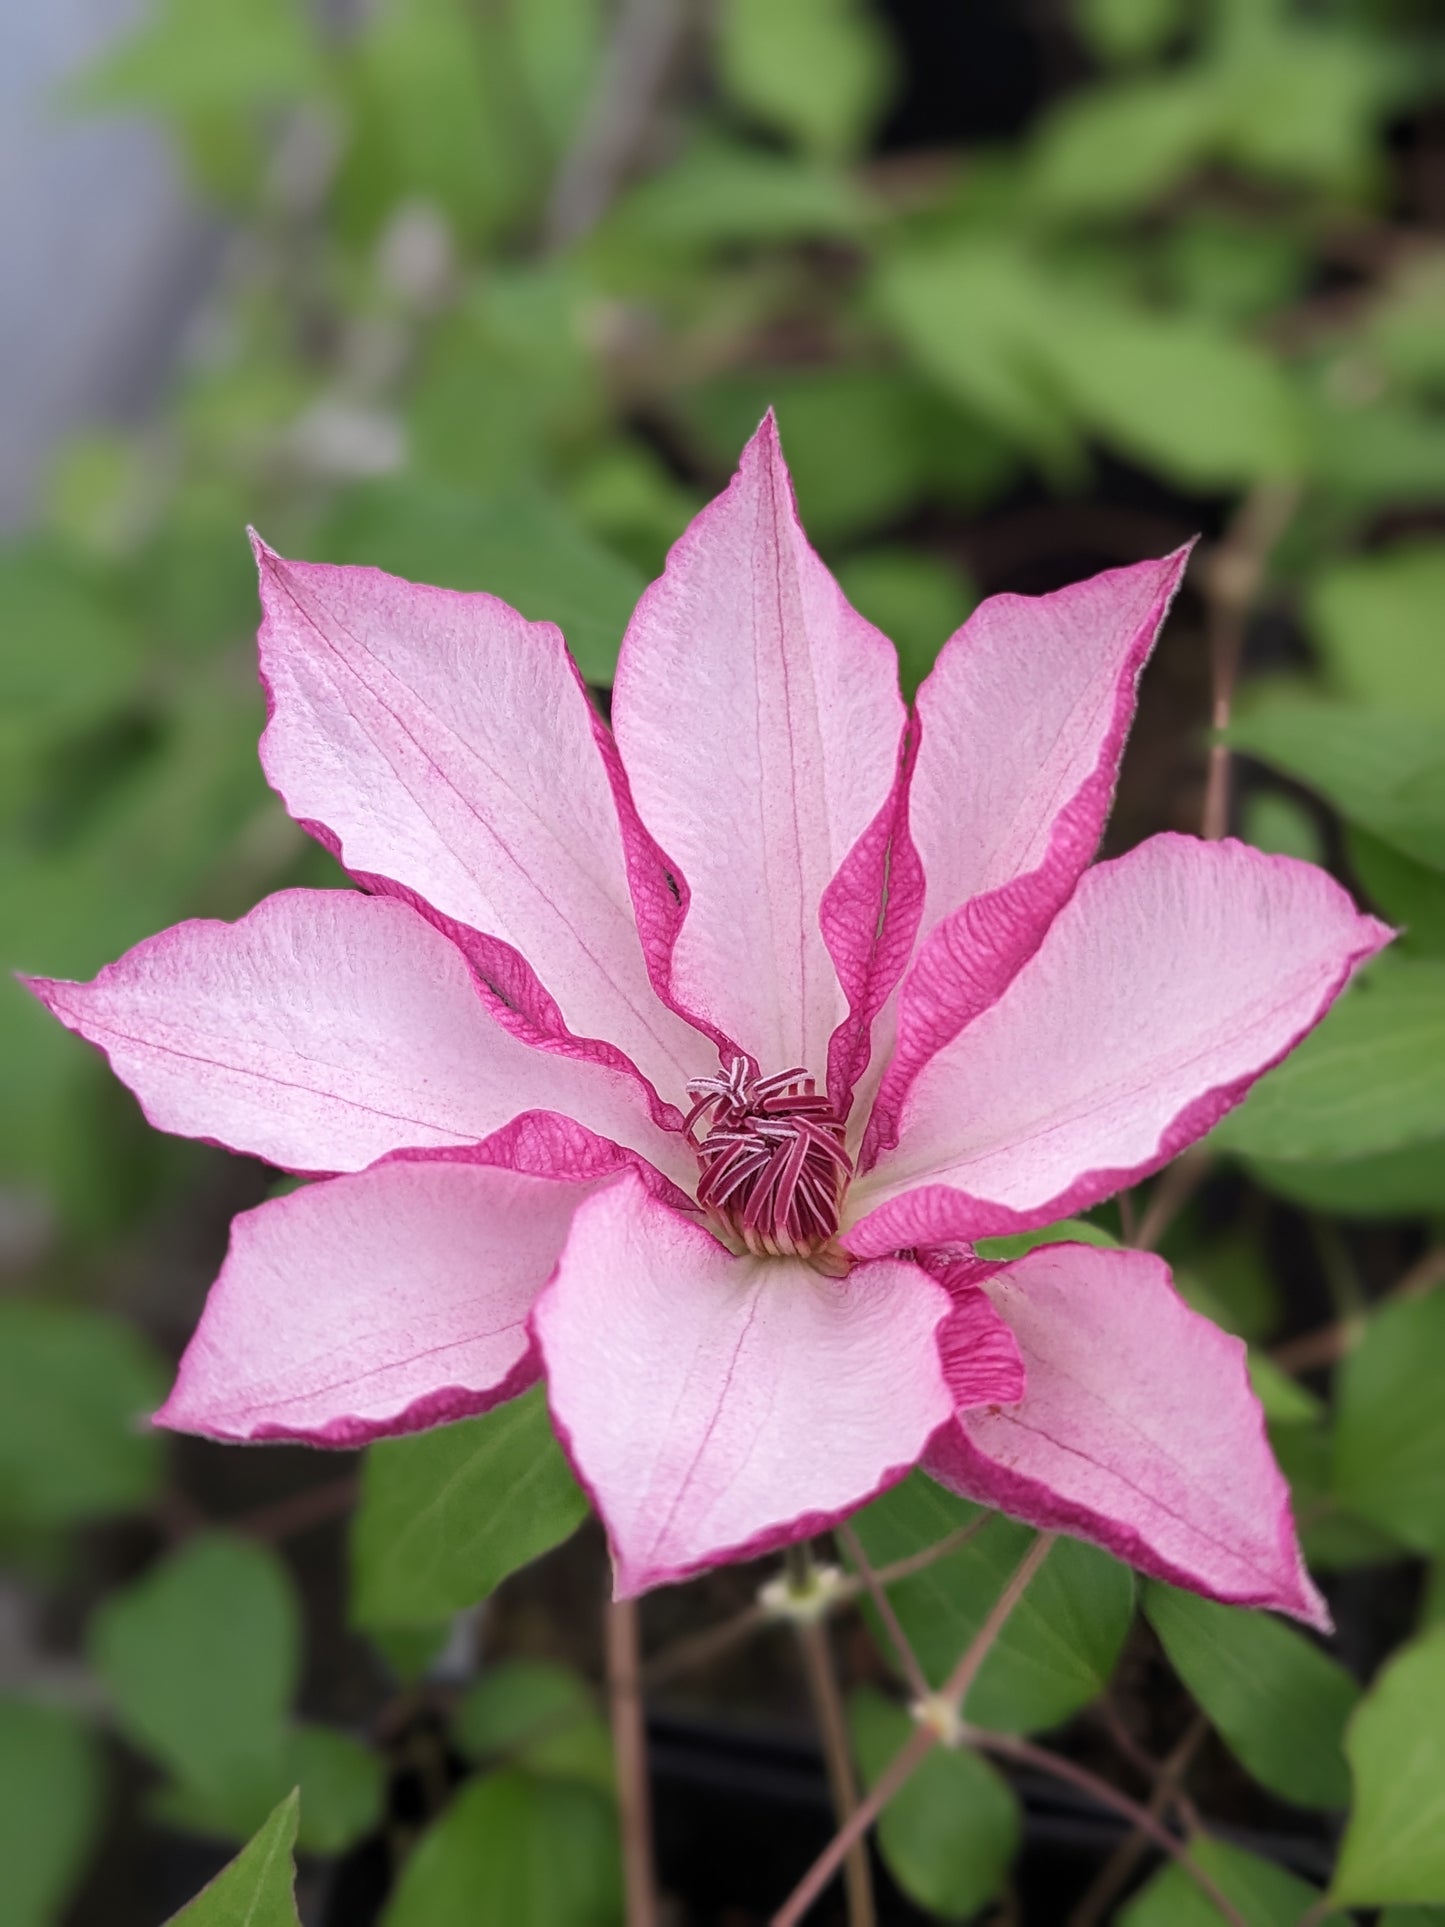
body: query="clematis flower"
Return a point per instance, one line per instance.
(683, 1063)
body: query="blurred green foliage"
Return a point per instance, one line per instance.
(502, 293)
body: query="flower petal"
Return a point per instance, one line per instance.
(1022, 724)
(1138, 1430)
(1170, 981)
(374, 1304)
(445, 748)
(759, 720)
(980, 1354)
(326, 1029)
(717, 1406)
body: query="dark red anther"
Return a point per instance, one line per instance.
(771, 1157)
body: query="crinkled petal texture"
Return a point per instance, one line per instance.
(1138, 1429)
(1022, 723)
(717, 1406)
(1167, 984)
(759, 719)
(444, 746)
(373, 1305)
(326, 1029)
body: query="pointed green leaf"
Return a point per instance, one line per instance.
(1371, 1078)
(1264, 1894)
(531, 1713)
(1394, 1846)
(201, 1658)
(1390, 1435)
(258, 1888)
(447, 1515)
(513, 1850)
(1279, 1702)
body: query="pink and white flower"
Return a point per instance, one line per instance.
(682, 1064)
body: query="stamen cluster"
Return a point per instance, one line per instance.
(770, 1151)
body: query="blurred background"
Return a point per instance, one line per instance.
(490, 293)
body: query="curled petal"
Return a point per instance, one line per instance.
(1138, 1430)
(759, 720)
(326, 1029)
(1169, 982)
(373, 1305)
(717, 1406)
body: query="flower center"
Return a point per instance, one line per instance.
(771, 1157)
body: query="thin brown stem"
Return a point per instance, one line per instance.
(1177, 1185)
(1009, 1746)
(1231, 583)
(902, 1646)
(1109, 1882)
(1331, 1343)
(838, 1758)
(919, 1745)
(955, 1692)
(615, 120)
(920, 1561)
(698, 1648)
(629, 1741)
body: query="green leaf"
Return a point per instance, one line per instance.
(1264, 1894)
(513, 1850)
(1128, 29)
(1393, 1184)
(1205, 406)
(71, 655)
(1371, 1078)
(721, 194)
(258, 1888)
(49, 1805)
(76, 1392)
(1407, 894)
(819, 71)
(967, 314)
(1058, 1648)
(1390, 1432)
(1018, 1244)
(1282, 825)
(1394, 1846)
(1113, 149)
(343, 1785)
(447, 1515)
(1279, 1702)
(1383, 771)
(951, 1831)
(523, 547)
(200, 1658)
(1413, 1917)
(916, 600)
(538, 1715)
(208, 56)
(1377, 620)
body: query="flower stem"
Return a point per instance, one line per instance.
(629, 1740)
(878, 1592)
(922, 1741)
(1009, 1746)
(981, 1645)
(1235, 572)
(833, 1732)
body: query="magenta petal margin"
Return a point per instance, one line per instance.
(772, 879)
